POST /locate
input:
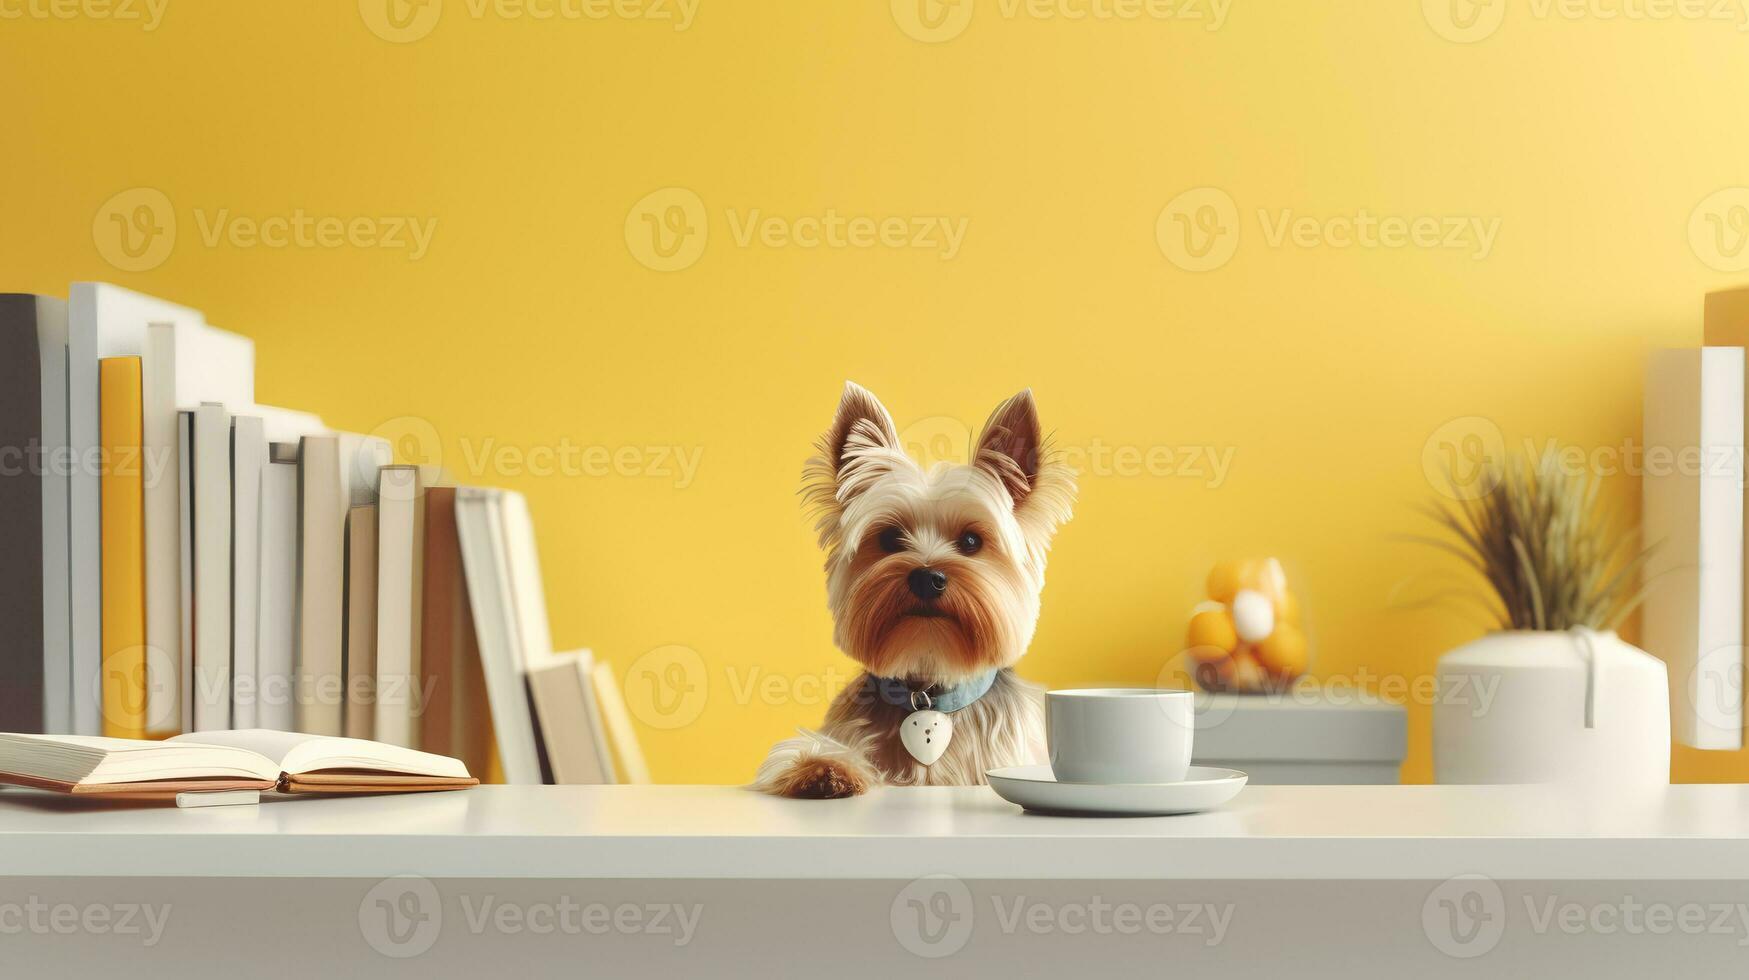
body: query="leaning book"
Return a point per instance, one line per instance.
(259, 759)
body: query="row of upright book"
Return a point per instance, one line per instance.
(177, 557)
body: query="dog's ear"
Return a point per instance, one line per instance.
(861, 428)
(1013, 448)
(859, 448)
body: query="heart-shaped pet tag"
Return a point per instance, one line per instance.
(925, 735)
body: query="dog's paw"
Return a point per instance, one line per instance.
(821, 779)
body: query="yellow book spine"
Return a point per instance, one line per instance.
(123, 536)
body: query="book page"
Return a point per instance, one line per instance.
(298, 753)
(92, 759)
(274, 745)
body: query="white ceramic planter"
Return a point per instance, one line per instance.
(1539, 707)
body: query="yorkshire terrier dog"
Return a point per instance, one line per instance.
(933, 580)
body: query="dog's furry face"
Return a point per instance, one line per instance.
(935, 575)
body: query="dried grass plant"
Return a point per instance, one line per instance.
(1550, 554)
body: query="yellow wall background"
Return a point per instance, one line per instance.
(529, 322)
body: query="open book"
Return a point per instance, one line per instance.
(250, 759)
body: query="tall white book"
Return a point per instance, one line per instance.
(400, 588)
(528, 594)
(485, 562)
(321, 579)
(51, 322)
(1693, 517)
(277, 616)
(248, 459)
(211, 545)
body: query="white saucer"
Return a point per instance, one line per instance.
(1036, 789)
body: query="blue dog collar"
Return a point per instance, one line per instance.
(899, 694)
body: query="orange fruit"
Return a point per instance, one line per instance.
(1212, 628)
(1283, 652)
(1228, 577)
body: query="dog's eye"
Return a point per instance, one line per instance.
(892, 540)
(969, 543)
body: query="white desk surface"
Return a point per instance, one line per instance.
(689, 832)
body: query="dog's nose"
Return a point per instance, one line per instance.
(927, 583)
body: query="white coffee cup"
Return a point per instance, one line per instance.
(1120, 735)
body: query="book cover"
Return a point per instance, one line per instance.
(51, 332)
(248, 459)
(277, 617)
(479, 527)
(439, 632)
(1692, 510)
(627, 754)
(122, 498)
(360, 653)
(400, 591)
(22, 690)
(321, 579)
(212, 567)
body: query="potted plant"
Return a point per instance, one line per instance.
(1552, 694)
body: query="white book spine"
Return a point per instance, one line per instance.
(212, 568)
(85, 550)
(320, 681)
(51, 318)
(185, 570)
(248, 459)
(1693, 500)
(162, 445)
(480, 530)
(527, 591)
(276, 638)
(400, 559)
